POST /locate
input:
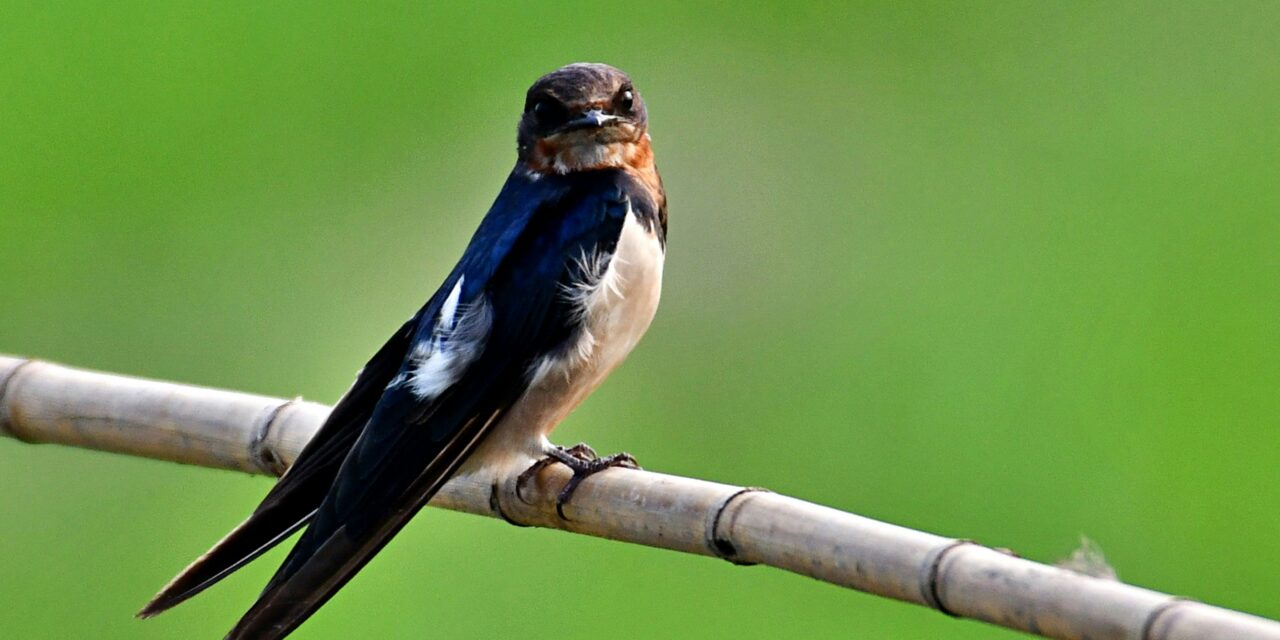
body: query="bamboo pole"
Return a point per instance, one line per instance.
(42, 402)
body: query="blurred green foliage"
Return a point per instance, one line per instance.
(1006, 271)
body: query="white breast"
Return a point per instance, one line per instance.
(617, 304)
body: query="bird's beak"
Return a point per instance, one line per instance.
(592, 119)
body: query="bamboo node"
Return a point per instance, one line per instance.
(6, 424)
(495, 505)
(930, 574)
(263, 455)
(1162, 617)
(721, 546)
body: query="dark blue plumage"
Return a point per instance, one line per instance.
(409, 422)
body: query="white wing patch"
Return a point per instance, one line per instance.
(439, 361)
(449, 310)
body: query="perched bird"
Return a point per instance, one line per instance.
(557, 285)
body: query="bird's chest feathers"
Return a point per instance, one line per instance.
(615, 301)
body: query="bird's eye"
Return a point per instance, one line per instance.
(549, 111)
(626, 99)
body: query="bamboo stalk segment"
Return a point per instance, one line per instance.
(46, 403)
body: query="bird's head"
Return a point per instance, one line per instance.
(581, 117)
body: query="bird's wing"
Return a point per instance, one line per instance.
(470, 361)
(297, 495)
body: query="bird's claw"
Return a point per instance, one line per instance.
(582, 460)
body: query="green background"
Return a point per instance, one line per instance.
(1001, 271)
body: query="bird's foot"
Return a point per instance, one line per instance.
(584, 462)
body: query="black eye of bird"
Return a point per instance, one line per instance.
(549, 111)
(626, 99)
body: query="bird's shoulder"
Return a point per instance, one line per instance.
(528, 243)
(526, 252)
(540, 217)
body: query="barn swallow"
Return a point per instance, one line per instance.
(556, 287)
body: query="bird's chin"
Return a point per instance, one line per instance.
(606, 147)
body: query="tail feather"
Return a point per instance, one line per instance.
(288, 507)
(293, 501)
(248, 541)
(343, 538)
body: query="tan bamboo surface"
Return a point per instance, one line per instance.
(41, 402)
